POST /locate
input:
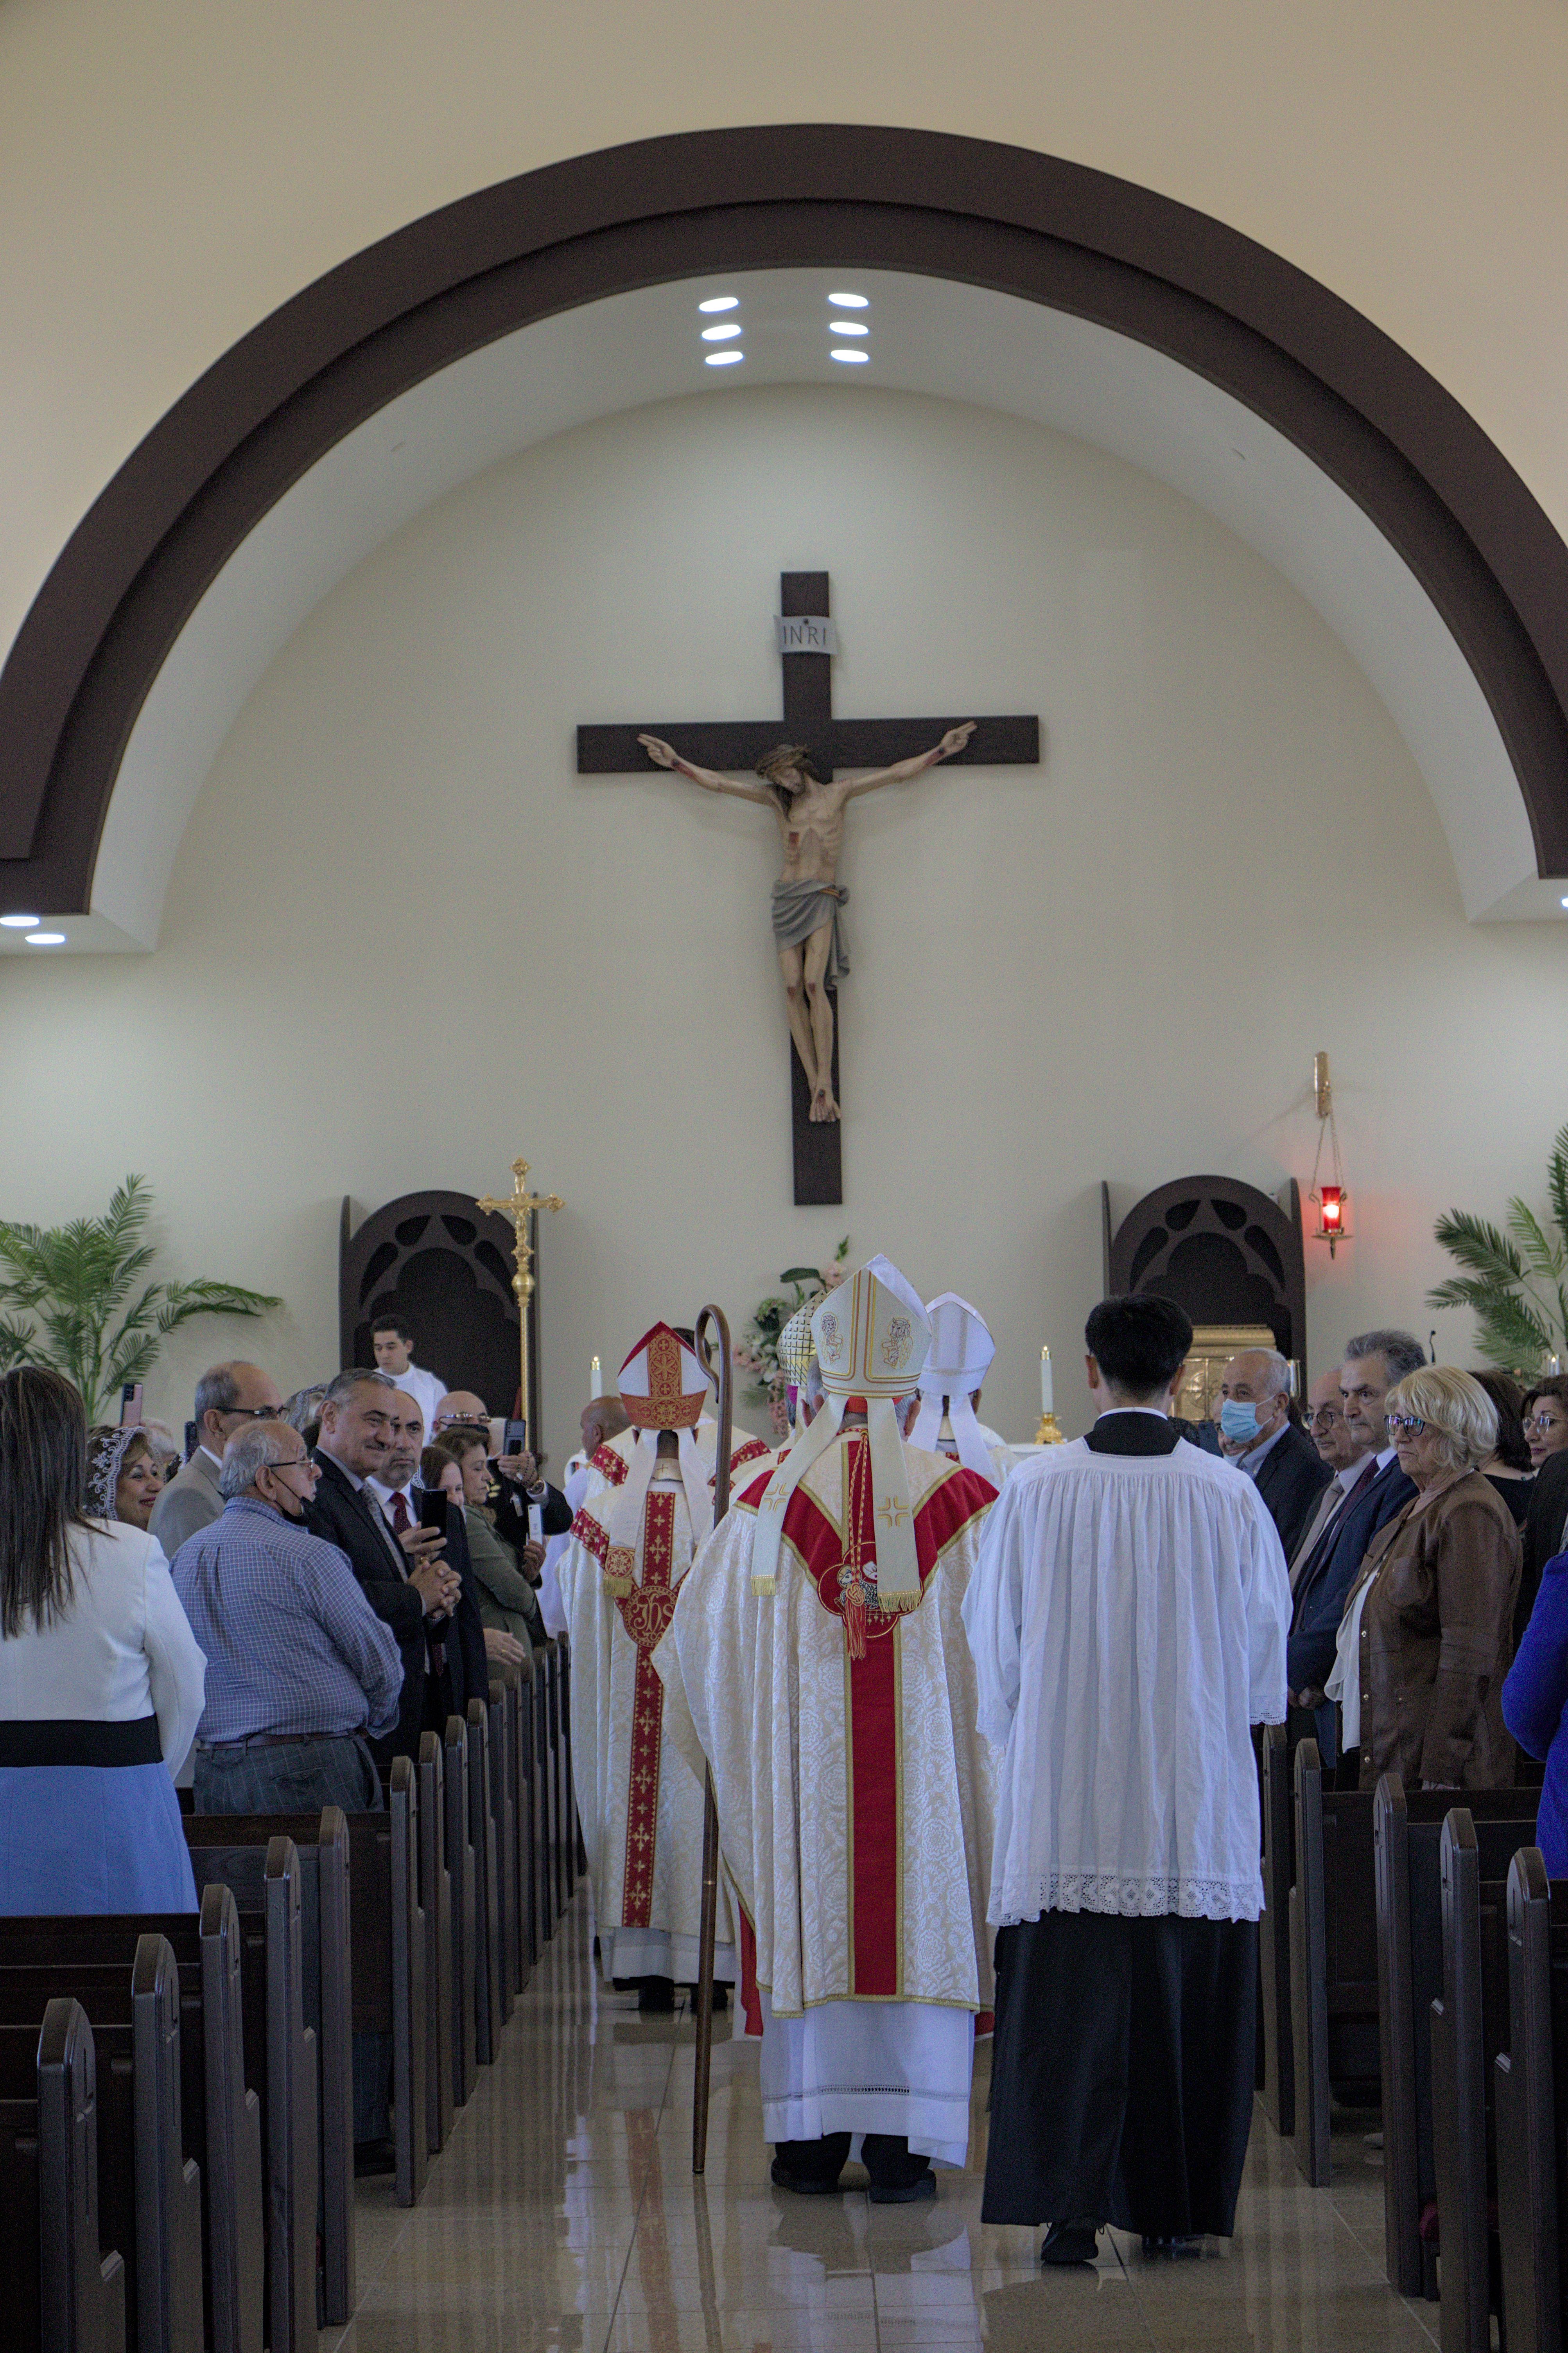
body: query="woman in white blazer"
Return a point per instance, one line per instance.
(101, 1680)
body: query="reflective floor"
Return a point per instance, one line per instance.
(563, 2214)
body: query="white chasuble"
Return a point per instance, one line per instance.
(640, 1803)
(854, 1795)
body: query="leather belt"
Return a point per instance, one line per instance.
(273, 1740)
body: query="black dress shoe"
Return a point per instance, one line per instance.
(903, 2193)
(1070, 2243)
(372, 2158)
(655, 1996)
(805, 2185)
(1172, 2250)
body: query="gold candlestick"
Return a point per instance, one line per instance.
(520, 1206)
(1049, 1432)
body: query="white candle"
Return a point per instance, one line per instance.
(1553, 1367)
(1048, 1401)
(595, 1380)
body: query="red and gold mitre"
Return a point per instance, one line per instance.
(662, 1383)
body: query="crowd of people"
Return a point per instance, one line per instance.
(980, 1720)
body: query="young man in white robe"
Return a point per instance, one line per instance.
(648, 1503)
(1128, 1620)
(817, 1660)
(957, 1362)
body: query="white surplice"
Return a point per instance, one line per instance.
(646, 1869)
(1128, 1620)
(763, 1685)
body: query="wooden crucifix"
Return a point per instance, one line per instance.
(797, 784)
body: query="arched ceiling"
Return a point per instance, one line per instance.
(284, 490)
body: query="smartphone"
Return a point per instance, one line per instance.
(130, 1405)
(434, 1510)
(515, 1440)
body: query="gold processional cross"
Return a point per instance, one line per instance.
(521, 1206)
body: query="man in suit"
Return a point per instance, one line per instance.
(457, 1648)
(1373, 1362)
(406, 1581)
(228, 1396)
(1256, 1433)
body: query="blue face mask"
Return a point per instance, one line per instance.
(1236, 1420)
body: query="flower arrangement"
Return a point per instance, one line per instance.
(757, 1353)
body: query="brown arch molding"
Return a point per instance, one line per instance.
(785, 195)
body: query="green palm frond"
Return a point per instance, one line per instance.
(1514, 1284)
(1479, 1246)
(73, 1284)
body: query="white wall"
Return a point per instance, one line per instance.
(404, 941)
(170, 172)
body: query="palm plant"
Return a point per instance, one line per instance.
(1515, 1283)
(74, 1283)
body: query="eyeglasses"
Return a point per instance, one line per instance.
(1323, 1413)
(1404, 1425)
(294, 1463)
(252, 1413)
(1541, 1422)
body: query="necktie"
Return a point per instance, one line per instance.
(400, 1513)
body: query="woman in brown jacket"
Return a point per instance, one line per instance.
(1429, 1621)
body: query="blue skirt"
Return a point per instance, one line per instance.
(92, 1838)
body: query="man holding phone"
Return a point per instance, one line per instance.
(431, 1535)
(528, 1509)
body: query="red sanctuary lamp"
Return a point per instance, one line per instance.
(1329, 1197)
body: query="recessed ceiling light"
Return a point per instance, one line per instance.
(719, 334)
(848, 327)
(720, 302)
(46, 939)
(851, 301)
(31, 923)
(725, 359)
(850, 359)
(1561, 902)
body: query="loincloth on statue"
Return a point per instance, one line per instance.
(802, 908)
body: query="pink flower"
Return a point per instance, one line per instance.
(832, 1276)
(778, 1414)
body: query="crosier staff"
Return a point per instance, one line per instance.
(708, 1929)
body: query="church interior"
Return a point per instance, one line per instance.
(392, 394)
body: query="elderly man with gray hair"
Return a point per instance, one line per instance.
(228, 1396)
(302, 1672)
(1256, 1433)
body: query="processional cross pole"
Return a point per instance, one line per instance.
(522, 1207)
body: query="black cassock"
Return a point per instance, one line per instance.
(1123, 2066)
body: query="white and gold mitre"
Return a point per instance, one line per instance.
(796, 1353)
(956, 1363)
(872, 1337)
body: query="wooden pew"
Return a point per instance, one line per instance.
(1278, 2084)
(486, 1892)
(436, 1902)
(148, 2193)
(1408, 1837)
(557, 1784)
(230, 1850)
(1334, 1956)
(63, 2295)
(503, 1807)
(220, 2120)
(388, 1941)
(1470, 2026)
(1531, 2105)
(463, 2018)
(519, 1683)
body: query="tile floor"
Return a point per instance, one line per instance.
(564, 2218)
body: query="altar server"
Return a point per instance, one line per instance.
(1128, 1620)
(816, 1659)
(956, 1364)
(649, 1501)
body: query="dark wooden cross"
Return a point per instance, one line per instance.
(737, 744)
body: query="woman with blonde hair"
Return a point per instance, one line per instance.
(1427, 1630)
